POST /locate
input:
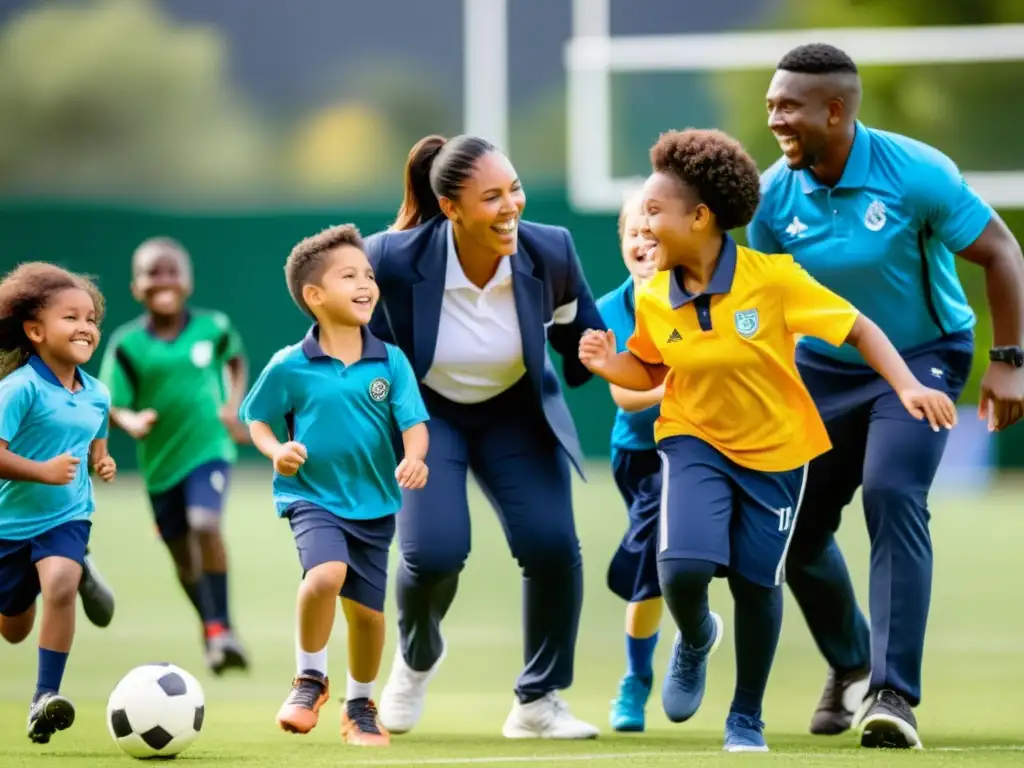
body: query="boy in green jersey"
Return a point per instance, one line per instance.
(166, 375)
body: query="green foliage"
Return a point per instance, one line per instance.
(112, 96)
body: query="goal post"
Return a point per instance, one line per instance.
(593, 55)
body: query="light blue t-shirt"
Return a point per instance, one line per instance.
(348, 418)
(39, 420)
(884, 237)
(632, 431)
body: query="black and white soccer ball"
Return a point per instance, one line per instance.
(156, 710)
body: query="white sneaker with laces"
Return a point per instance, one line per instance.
(403, 697)
(546, 718)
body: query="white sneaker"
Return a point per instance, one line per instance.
(401, 701)
(546, 718)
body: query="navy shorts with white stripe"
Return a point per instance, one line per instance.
(714, 510)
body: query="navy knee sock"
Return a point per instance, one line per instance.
(199, 595)
(217, 584)
(684, 584)
(758, 621)
(640, 656)
(51, 671)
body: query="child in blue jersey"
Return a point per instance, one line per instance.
(341, 395)
(53, 418)
(633, 572)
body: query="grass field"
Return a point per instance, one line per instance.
(974, 676)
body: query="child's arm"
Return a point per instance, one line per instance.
(238, 381)
(412, 471)
(101, 461)
(632, 402)
(287, 457)
(60, 470)
(878, 352)
(625, 370)
(136, 423)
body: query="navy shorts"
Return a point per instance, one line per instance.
(363, 545)
(717, 511)
(19, 580)
(633, 571)
(203, 489)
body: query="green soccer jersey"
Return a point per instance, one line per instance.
(184, 381)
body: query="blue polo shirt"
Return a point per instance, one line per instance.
(346, 416)
(40, 419)
(632, 431)
(884, 237)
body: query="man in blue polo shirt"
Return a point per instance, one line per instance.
(342, 396)
(877, 217)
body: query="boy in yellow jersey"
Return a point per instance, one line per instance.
(718, 326)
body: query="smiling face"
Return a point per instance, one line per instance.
(489, 206)
(637, 242)
(65, 330)
(676, 224)
(347, 292)
(163, 280)
(803, 114)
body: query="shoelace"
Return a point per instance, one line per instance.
(364, 715)
(686, 665)
(305, 692)
(745, 721)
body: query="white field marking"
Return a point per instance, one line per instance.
(667, 754)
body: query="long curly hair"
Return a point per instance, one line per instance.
(23, 293)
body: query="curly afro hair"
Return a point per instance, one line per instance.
(817, 59)
(715, 168)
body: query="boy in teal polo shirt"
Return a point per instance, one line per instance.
(341, 395)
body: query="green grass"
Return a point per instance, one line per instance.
(974, 665)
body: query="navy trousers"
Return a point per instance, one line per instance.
(879, 447)
(508, 446)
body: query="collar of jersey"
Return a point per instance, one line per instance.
(721, 278)
(855, 174)
(45, 372)
(151, 330)
(373, 348)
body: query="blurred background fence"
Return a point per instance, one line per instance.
(239, 127)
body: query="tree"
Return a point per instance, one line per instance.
(113, 97)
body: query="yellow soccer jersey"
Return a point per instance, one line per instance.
(730, 351)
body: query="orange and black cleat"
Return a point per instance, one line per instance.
(360, 725)
(301, 710)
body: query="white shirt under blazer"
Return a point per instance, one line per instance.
(470, 344)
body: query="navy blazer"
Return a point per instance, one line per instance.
(553, 302)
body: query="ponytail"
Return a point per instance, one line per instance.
(420, 202)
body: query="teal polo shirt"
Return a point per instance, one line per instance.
(41, 419)
(631, 431)
(884, 237)
(347, 416)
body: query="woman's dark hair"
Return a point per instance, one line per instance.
(437, 167)
(23, 293)
(715, 168)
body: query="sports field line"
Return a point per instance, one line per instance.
(581, 757)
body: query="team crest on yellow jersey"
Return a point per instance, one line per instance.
(747, 322)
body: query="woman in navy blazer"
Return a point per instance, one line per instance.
(472, 293)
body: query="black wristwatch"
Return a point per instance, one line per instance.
(1012, 355)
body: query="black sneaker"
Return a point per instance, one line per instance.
(843, 696)
(224, 651)
(97, 597)
(48, 714)
(889, 723)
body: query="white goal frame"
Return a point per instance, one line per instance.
(592, 55)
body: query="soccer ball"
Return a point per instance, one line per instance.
(156, 710)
